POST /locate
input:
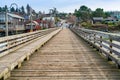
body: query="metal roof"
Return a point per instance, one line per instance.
(33, 23)
(49, 18)
(15, 16)
(97, 18)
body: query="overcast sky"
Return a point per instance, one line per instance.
(65, 5)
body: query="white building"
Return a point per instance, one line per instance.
(15, 22)
(115, 14)
(50, 20)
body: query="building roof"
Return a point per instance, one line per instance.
(97, 18)
(38, 20)
(41, 21)
(33, 23)
(49, 18)
(110, 18)
(30, 24)
(15, 16)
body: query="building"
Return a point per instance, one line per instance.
(43, 23)
(32, 26)
(115, 14)
(50, 20)
(111, 20)
(97, 19)
(15, 23)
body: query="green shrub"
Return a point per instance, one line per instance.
(86, 24)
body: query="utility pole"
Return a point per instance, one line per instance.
(6, 23)
(31, 27)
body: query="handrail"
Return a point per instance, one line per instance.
(7, 44)
(107, 43)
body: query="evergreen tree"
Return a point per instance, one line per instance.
(0, 9)
(107, 14)
(6, 8)
(3, 9)
(28, 9)
(22, 10)
(17, 10)
(12, 9)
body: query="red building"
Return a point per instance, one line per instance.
(43, 23)
(32, 26)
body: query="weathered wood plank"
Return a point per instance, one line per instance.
(66, 57)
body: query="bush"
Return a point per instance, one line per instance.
(86, 24)
(112, 24)
(118, 25)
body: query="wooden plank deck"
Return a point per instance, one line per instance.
(15, 59)
(66, 57)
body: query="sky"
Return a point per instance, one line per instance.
(65, 5)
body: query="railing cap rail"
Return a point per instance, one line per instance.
(2, 39)
(110, 35)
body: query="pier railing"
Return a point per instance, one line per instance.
(107, 43)
(12, 43)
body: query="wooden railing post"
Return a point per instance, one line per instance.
(100, 44)
(84, 35)
(89, 37)
(94, 38)
(110, 45)
(110, 51)
(100, 41)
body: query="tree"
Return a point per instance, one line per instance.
(17, 10)
(0, 9)
(12, 9)
(76, 13)
(22, 10)
(107, 14)
(6, 8)
(3, 9)
(83, 8)
(98, 13)
(84, 13)
(62, 15)
(28, 9)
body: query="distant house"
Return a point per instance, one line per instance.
(98, 19)
(47, 15)
(115, 14)
(50, 20)
(43, 23)
(15, 22)
(111, 19)
(27, 17)
(72, 19)
(34, 25)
